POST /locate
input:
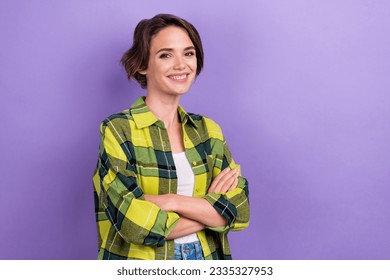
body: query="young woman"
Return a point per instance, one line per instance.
(166, 186)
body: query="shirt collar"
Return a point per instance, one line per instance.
(143, 117)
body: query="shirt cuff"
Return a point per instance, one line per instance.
(224, 207)
(172, 220)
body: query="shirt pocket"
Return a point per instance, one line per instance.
(203, 170)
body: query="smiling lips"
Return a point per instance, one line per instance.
(179, 77)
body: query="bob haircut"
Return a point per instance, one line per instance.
(137, 57)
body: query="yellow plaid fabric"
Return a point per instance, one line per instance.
(135, 158)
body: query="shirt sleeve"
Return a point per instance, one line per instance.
(234, 204)
(136, 220)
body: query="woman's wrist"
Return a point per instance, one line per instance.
(176, 201)
(167, 202)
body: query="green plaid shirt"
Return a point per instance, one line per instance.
(135, 159)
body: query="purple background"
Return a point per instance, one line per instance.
(300, 88)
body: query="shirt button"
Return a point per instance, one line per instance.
(194, 163)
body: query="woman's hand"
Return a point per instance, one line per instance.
(225, 181)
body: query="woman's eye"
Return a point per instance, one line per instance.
(190, 53)
(164, 55)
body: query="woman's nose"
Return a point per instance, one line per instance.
(179, 63)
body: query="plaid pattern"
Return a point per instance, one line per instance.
(135, 159)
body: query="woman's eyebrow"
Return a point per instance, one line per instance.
(171, 49)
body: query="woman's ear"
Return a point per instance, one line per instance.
(142, 72)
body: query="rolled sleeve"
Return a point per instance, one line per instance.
(233, 206)
(136, 220)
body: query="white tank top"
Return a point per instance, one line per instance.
(185, 186)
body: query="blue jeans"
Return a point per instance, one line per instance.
(189, 251)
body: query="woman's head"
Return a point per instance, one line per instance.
(136, 59)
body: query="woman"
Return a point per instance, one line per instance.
(166, 186)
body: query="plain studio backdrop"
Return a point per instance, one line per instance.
(300, 89)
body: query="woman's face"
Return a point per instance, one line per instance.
(172, 62)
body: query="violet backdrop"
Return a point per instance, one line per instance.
(300, 88)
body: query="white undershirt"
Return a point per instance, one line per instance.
(185, 186)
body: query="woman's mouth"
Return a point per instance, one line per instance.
(179, 77)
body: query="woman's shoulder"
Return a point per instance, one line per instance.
(118, 122)
(122, 116)
(207, 124)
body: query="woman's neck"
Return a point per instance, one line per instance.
(165, 109)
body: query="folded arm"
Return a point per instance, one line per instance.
(119, 200)
(184, 227)
(199, 209)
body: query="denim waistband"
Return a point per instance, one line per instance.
(188, 251)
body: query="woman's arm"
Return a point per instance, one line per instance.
(119, 200)
(198, 209)
(234, 204)
(184, 227)
(194, 208)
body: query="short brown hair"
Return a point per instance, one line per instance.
(137, 57)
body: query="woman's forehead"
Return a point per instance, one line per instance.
(171, 37)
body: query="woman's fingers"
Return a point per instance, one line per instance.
(225, 181)
(218, 178)
(234, 184)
